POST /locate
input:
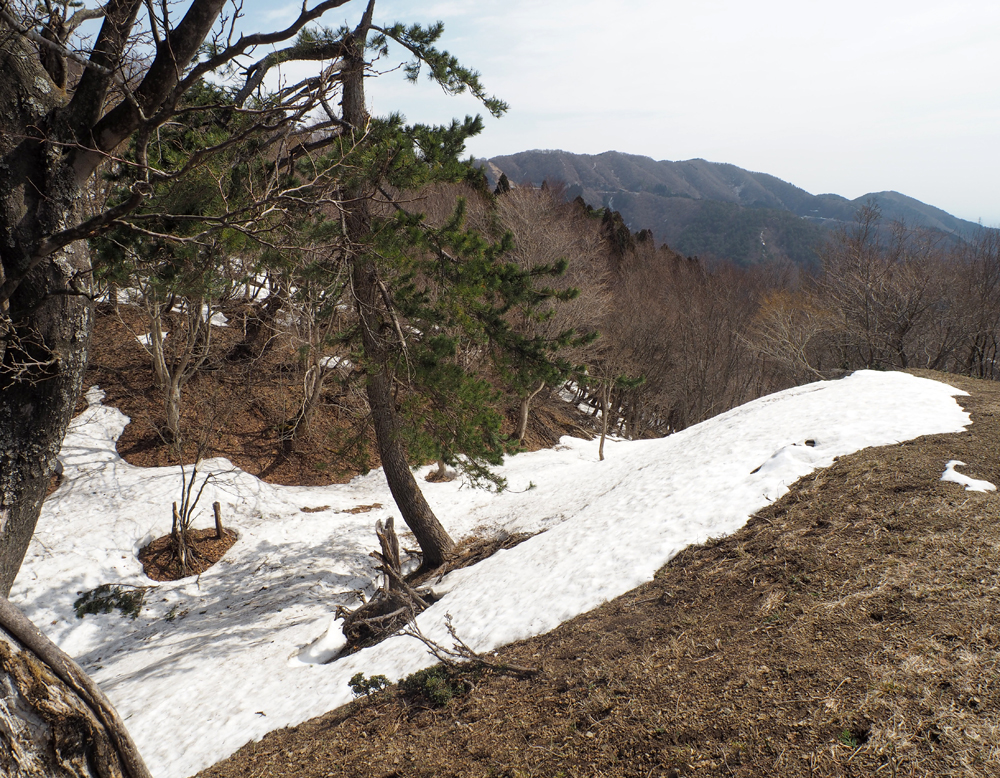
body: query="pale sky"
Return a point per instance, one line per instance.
(848, 97)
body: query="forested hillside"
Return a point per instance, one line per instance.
(648, 339)
(714, 210)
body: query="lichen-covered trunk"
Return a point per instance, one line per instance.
(54, 722)
(44, 729)
(47, 319)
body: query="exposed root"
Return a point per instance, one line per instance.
(395, 605)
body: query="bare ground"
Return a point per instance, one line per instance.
(850, 629)
(160, 561)
(239, 410)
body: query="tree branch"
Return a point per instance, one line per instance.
(87, 229)
(105, 58)
(83, 15)
(35, 37)
(297, 53)
(173, 56)
(162, 84)
(444, 68)
(249, 42)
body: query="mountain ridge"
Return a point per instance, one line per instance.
(716, 208)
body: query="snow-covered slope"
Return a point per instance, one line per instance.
(214, 662)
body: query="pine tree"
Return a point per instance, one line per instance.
(420, 290)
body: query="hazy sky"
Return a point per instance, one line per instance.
(848, 97)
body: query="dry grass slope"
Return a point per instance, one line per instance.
(851, 629)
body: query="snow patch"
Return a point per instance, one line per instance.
(335, 363)
(264, 614)
(147, 339)
(970, 484)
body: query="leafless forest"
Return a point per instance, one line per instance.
(659, 341)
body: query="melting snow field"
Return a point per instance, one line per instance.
(214, 662)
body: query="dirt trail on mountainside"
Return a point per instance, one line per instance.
(850, 629)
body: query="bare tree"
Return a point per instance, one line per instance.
(547, 232)
(979, 297)
(179, 341)
(318, 308)
(887, 285)
(789, 329)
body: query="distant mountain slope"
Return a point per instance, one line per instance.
(709, 208)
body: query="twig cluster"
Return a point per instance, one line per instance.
(460, 653)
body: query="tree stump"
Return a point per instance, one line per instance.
(394, 605)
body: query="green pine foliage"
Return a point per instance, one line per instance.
(443, 68)
(126, 599)
(452, 295)
(362, 685)
(437, 685)
(457, 293)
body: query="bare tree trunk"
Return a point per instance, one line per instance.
(172, 407)
(258, 334)
(312, 392)
(166, 379)
(390, 553)
(178, 531)
(605, 407)
(522, 424)
(174, 365)
(113, 297)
